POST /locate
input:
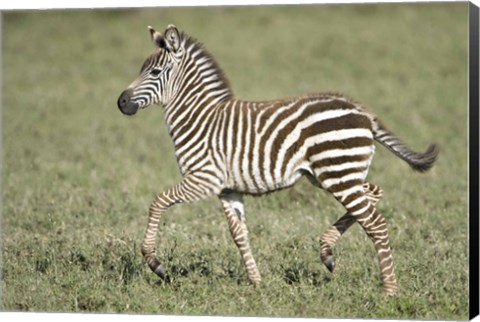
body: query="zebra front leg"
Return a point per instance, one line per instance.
(329, 238)
(161, 203)
(233, 206)
(188, 191)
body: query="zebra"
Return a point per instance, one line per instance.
(230, 148)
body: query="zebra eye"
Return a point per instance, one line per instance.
(156, 71)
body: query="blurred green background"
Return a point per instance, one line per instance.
(78, 177)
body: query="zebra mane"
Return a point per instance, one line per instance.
(194, 46)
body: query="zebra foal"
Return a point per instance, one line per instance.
(228, 147)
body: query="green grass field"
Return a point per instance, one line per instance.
(78, 177)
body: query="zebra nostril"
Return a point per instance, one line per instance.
(123, 99)
(125, 103)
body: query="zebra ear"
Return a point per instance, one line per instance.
(157, 38)
(172, 38)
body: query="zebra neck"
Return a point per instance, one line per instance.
(187, 113)
(189, 124)
(193, 99)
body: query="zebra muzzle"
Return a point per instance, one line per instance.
(125, 104)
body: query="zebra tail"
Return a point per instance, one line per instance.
(418, 161)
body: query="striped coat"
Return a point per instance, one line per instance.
(229, 147)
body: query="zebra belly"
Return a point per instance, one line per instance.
(256, 185)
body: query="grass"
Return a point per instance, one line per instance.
(78, 176)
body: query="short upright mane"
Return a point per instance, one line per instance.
(195, 47)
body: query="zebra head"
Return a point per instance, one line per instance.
(151, 86)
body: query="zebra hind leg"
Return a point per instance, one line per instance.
(329, 238)
(233, 207)
(354, 199)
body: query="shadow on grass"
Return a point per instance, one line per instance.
(297, 273)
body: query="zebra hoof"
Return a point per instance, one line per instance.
(164, 277)
(160, 271)
(330, 263)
